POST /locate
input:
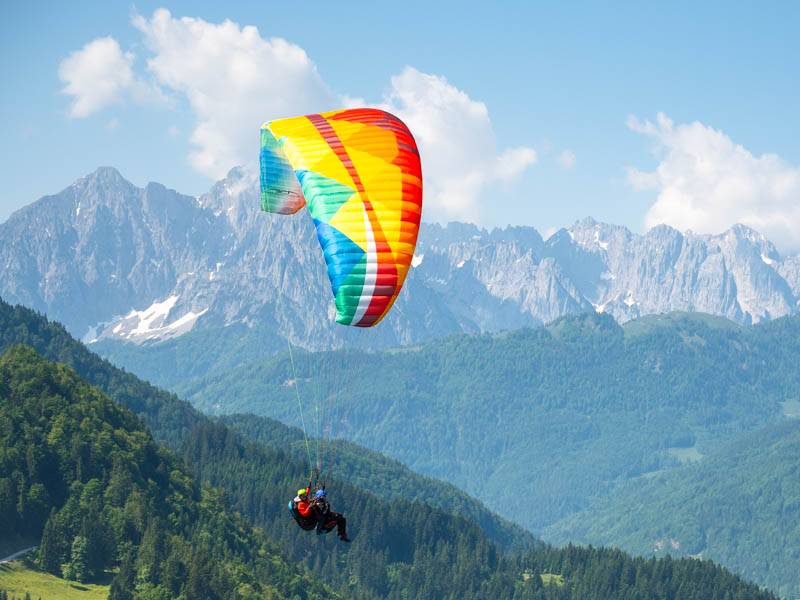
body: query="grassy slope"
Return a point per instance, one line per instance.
(18, 578)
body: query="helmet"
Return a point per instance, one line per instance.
(302, 492)
(321, 493)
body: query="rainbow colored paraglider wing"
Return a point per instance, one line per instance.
(359, 173)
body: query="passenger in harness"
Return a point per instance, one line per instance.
(301, 510)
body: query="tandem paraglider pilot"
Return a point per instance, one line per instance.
(316, 514)
(358, 173)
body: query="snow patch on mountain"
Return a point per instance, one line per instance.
(152, 323)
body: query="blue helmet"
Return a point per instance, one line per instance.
(321, 494)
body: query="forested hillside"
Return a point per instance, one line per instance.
(399, 548)
(116, 500)
(84, 477)
(388, 478)
(740, 507)
(560, 415)
(171, 419)
(168, 418)
(660, 392)
(379, 564)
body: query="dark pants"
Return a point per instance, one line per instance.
(328, 521)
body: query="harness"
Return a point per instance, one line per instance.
(306, 523)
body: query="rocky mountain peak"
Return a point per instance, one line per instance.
(110, 259)
(594, 236)
(107, 175)
(749, 239)
(101, 183)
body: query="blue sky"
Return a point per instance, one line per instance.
(526, 113)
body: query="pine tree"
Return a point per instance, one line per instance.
(52, 547)
(122, 584)
(77, 569)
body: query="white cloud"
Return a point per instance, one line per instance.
(100, 75)
(460, 159)
(96, 75)
(566, 160)
(706, 183)
(234, 80)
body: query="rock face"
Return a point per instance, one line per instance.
(110, 260)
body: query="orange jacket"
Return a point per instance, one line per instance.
(304, 508)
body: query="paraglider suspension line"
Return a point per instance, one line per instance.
(300, 405)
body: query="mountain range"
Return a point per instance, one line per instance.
(208, 289)
(114, 261)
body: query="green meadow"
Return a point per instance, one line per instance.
(17, 578)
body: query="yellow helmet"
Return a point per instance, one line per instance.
(302, 492)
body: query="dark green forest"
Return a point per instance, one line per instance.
(567, 414)
(386, 477)
(170, 420)
(106, 496)
(561, 415)
(85, 478)
(740, 507)
(256, 476)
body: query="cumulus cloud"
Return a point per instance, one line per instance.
(706, 182)
(96, 76)
(234, 80)
(100, 75)
(457, 144)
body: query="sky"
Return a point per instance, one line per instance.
(525, 113)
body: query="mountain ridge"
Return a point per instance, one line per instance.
(114, 261)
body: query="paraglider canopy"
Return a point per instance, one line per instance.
(358, 172)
